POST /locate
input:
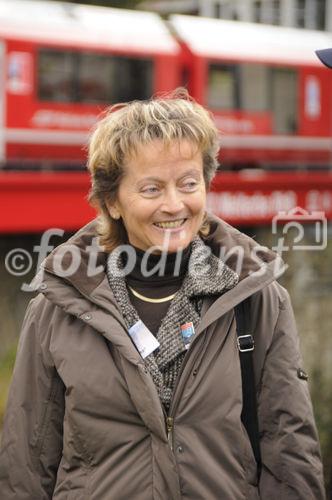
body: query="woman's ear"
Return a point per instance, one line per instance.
(113, 211)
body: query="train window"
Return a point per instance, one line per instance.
(321, 14)
(284, 100)
(131, 79)
(56, 73)
(254, 87)
(222, 91)
(92, 78)
(238, 87)
(257, 11)
(301, 7)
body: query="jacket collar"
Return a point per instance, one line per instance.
(206, 276)
(86, 289)
(249, 285)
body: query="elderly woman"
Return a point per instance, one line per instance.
(128, 379)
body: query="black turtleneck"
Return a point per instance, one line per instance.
(164, 277)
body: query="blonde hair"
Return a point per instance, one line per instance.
(127, 126)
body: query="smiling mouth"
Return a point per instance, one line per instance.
(170, 224)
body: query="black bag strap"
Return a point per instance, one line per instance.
(246, 344)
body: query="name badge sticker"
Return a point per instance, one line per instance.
(187, 332)
(143, 339)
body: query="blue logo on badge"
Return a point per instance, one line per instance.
(187, 331)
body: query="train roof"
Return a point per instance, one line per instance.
(85, 25)
(234, 40)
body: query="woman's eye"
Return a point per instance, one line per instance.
(190, 185)
(150, 190)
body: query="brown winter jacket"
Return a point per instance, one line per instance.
(84, 420)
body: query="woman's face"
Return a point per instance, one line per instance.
(161, 198)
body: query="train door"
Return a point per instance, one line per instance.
(315, 115)
(2, 101)
(284, 100)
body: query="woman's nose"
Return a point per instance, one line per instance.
(172, 202)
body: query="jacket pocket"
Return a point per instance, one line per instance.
(46, 416)
(76, 464)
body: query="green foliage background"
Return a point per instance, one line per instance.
(6, 368)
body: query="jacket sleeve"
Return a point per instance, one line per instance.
(31, 445)
(292, 468)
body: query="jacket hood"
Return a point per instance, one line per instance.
(240, 252)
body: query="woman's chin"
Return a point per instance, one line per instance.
(173, 242)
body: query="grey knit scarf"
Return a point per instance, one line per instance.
(206, 275)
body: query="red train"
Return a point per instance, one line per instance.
(62, 63)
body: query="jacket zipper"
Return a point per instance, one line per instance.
(169, 425)
(183, 364)
(170, 417)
